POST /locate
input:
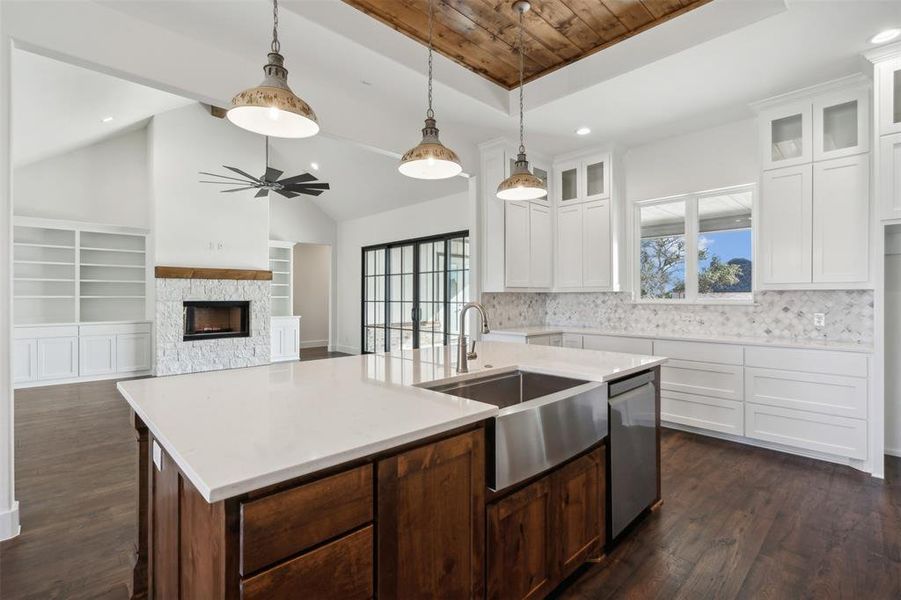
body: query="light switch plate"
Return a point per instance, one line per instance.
(157, 456)
(819, 320)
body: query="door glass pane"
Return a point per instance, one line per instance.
(786, 135)
(840, 126)
(662, 250)
(724, 246)
(568, 188)
(540, 174)
(595, 173)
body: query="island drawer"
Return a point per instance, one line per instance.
(283, 524)
(340, 569)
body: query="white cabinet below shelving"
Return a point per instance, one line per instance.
(285, 335)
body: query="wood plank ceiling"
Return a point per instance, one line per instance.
(481, 35)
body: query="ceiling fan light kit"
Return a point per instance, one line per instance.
(521, 184)
(271, 108)
(430, 159)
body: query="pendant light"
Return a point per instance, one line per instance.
(521, 184)
(430, 159)
(271, 108)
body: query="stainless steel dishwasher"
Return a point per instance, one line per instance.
(633, 450)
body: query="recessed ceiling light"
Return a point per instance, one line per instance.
(314, 166)
(106, 119)
(583, 131)
(885, 36)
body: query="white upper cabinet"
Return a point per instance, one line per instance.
(841, 125)
(568, 182)
(541, 258)
(889, 73)
(517, 241)
(596, 244)
(890, 176)
(596, 177)
(785, 234)
(786, 135)
(841, 217)
(569, 247)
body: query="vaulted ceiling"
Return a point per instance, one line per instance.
(482, 34)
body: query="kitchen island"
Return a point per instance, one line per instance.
(341, 477)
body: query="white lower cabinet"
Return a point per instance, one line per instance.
(615, 343)
(97, 355)
(839, 436)
(25, 360)
(285, 334)
(702, 379)
(814, 392)
(554, 339)
(702, 412)
(57, 358)
(133, 352)
(572, 340)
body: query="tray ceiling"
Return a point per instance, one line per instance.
(481, 34)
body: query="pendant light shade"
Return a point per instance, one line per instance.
(521, 184)
(271, 108)
(430, 159)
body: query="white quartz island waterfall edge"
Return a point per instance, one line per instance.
(234, 431)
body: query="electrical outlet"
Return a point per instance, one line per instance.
(819, 320)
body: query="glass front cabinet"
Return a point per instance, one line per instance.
(890, 96)
(786, 136)
(840, 126)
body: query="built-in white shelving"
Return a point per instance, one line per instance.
(281, 264)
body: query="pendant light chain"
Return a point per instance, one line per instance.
(430, 113)
(522, 147)
(276, 45)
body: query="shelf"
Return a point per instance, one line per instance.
(112, 297)
(281, 284)
(140, 281)
(94, 249)
(44, 297)
(113, 266)
(34, 245)
(44, 262)
(281, 272)
(40, 279)
(284, 260)
(279, 297)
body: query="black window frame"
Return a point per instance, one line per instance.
(446, 238)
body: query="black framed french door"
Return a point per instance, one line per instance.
(412, 292)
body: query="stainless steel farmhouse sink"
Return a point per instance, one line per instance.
(543, 421)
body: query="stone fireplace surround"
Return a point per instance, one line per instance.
(174, 285)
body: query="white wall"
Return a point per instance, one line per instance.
(195, 225)
(312, 280)
(893, 341)
(106, 182)
(702, 160)
(442, 215)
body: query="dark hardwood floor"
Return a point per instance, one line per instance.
(737, 522)
(319, 354)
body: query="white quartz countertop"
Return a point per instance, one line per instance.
(533, 330)
(231, 432)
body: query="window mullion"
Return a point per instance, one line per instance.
(691, 249)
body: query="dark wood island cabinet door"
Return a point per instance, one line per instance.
(521, 557)
(578, 488)
(431, 520)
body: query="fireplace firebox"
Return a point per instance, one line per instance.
(209, 320)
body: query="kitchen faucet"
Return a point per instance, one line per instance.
(463, 357)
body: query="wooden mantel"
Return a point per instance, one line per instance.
(211, 273)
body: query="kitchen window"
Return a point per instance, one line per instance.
(696, 248)
(413, 292)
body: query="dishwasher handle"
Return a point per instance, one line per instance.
(626, 385)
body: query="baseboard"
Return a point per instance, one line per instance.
(314, 344)
(839, 460)
(896, 452)
(46, 382)
(348, 349)
(9, 523)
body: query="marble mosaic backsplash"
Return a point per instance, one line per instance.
(776, 315)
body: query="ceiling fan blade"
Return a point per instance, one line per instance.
(261, 193)
(240, 172)
(272, 174)
(241, 189)
(298, 179)
(312, 192)
(222, 176)
(225, 182)
(287, 193)
(311, 186)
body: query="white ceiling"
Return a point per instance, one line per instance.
(57, 107)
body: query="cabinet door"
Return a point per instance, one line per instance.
(541, 253)
(291, 339)
(841, 220)
(569, 247)
(595, 172)
(596, 251)
(57, 358)
(890, 176)
(97, 355)
(567, 182)
(840, 125)
(579, 506)
(431, 520)
(786, 205)
(542, 172)
(132, 352)
(889, 96)
(786, 136)
(25, 361)
(492, 240)
(517, 258)
(277, 336)
(521, 545)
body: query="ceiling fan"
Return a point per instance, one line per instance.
(289, 187)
